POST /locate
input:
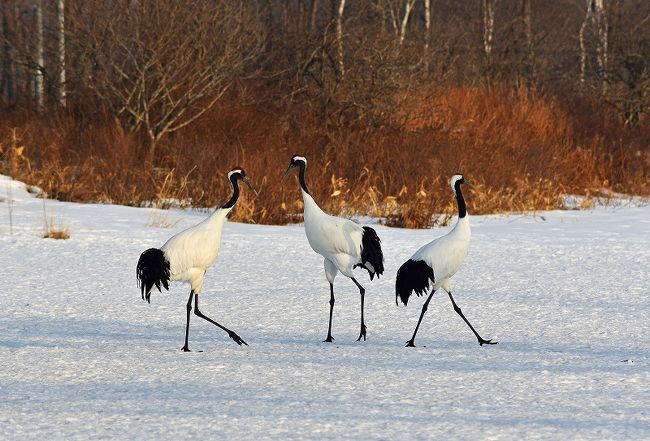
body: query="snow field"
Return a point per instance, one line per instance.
(83, 357)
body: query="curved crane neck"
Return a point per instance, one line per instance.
(462, 208)
(235, 193)
(301, 177)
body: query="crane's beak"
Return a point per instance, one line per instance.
(469, 184)
(248, 182)
(287, 172)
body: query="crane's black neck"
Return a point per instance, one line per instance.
(462, 208)
(235, 193)
(301, 177)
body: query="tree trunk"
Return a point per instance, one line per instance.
(8, 73)
(602, 48)
(39, 89)
(583, 47)
(408, 7)
(427, 26)
(313, 14)
(596, 16)
(489, 9)
(60, 12)
(527, 18)
(339, 37)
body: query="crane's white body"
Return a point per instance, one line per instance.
(191, 252)
(187, 256)
(342, 243)
(338, 240)
(445, 254)
(437, 262)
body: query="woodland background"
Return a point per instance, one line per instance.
(151, 102)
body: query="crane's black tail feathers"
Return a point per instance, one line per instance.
(372, 258)
(413, 275)
(152, 269)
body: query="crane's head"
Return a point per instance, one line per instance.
(296, 161)
(457, 180)
(238, 174)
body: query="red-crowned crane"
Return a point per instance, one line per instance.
(436, 262)
(188, 255)
(343, 244)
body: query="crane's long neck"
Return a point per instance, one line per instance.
(235, 194)
(461, 230)
(310, 207)
(301, 177)
(462, 208)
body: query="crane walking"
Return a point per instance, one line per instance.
(436, 262)
(188, 255)
(343, 244)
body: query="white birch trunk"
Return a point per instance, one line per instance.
(408, 7)
(603, 43)
(596, 16)
(60, 12)
(39, 89)
(339, 37)
(313, 15)
(528, 29)
(427, 25)
(392, 16)
(7, 66)
(583, 48)
(489, 9)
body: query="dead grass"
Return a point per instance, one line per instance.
(524, 151)
(53, 233)
(53, 228)
(53, 225)
(162, 219)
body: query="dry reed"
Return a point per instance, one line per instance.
(523, 150)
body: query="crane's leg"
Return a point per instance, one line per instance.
(329, 328)
(187, 326)
(363, 325)
(231, 334)
(411, 342)
(481, 341)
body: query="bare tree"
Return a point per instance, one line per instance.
(527, 17)
(595, 16)
(7, 76)
(339, 36)
(313, 13)
(153, 74)
(427, 26)
(603, 40)
(408, 7)
(60, 12)
(489, 9)
(628, 59)
(39, 67)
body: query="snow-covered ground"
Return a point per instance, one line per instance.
(83, 357)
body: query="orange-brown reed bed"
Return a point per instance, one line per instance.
(522, 150)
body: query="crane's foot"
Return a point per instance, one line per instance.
(329, 339)
(185, 349)
(236, 338)
(410, 343)
(487, 342)
(362, 333)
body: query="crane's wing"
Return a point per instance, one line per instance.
(340, 236)
(191, 248)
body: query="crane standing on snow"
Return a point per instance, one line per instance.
(187, 256)
(436, 262)
(343, 244)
